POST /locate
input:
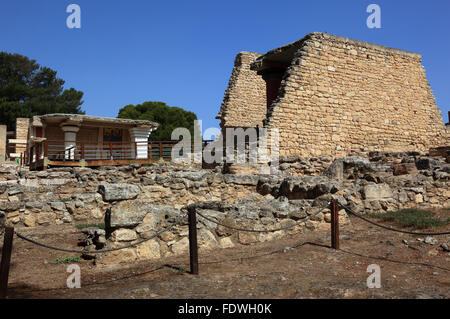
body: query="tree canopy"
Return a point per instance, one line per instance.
(168, 117)
(28, 89)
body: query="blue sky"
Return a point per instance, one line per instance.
(182, 52)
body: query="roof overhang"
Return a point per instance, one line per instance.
(78, 120)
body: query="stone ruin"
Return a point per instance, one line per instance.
(136, 201)
(331, 95)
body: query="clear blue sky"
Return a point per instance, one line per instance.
(182, 52)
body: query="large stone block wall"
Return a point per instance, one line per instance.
(340, 95)
(76, 195)
(244, 103)
(136, 201)
(66, 195)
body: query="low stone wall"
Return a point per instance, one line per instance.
(65, 195)
(132, 221)
(135, 201)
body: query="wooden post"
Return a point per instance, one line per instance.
(193, 248)
(82, 151)
(334, 224)
(161, 155)
(6, 259)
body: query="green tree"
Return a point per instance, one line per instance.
(168, 117)
(28, 89)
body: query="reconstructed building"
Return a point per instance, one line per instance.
(330, 95)
(82, 140)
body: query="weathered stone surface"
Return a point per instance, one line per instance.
(335, 170)
(60, 206)
(427, 163)
(206, 240)
(418, 198)
(45, 218)
(93, 231)
(377, 191)
(247, 238)
(122, 191)
(84, 197)
(405, 168)
(29, 221)
(192, 176)
(119, 256)
(34, 205)
(354, 161)
(14, 191)
(181, 246)
(241, 179)
(226, 242)
(148, 250)
(9, 206)
(127, 213)
(123, 234)
(307, 187)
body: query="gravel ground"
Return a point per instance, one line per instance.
(299, 266)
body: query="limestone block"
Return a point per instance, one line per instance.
(149, 250)
(377, 192)
(123, 234)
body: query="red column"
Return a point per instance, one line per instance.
(273, 79)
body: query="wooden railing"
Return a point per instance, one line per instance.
(56, 150)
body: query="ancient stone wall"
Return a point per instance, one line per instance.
(136, 201)
(82, 194)
(2, 142)
(22, 127)
(340, 95)
(244, 103)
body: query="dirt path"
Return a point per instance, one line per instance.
(300, 266)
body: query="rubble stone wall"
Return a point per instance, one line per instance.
(341, 95)
(244, 103)
(136, 201)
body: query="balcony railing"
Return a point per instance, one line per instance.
(58, 150)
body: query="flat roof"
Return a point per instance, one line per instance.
(54, 117)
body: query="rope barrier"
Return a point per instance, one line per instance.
(349, 210)
(92, 251)
(257, 230)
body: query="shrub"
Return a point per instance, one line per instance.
(411, 217)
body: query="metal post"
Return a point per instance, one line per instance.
(6, 259)
(193, 248)
(334, 224)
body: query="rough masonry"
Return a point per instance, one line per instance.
(135, 201)
(330, 95)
